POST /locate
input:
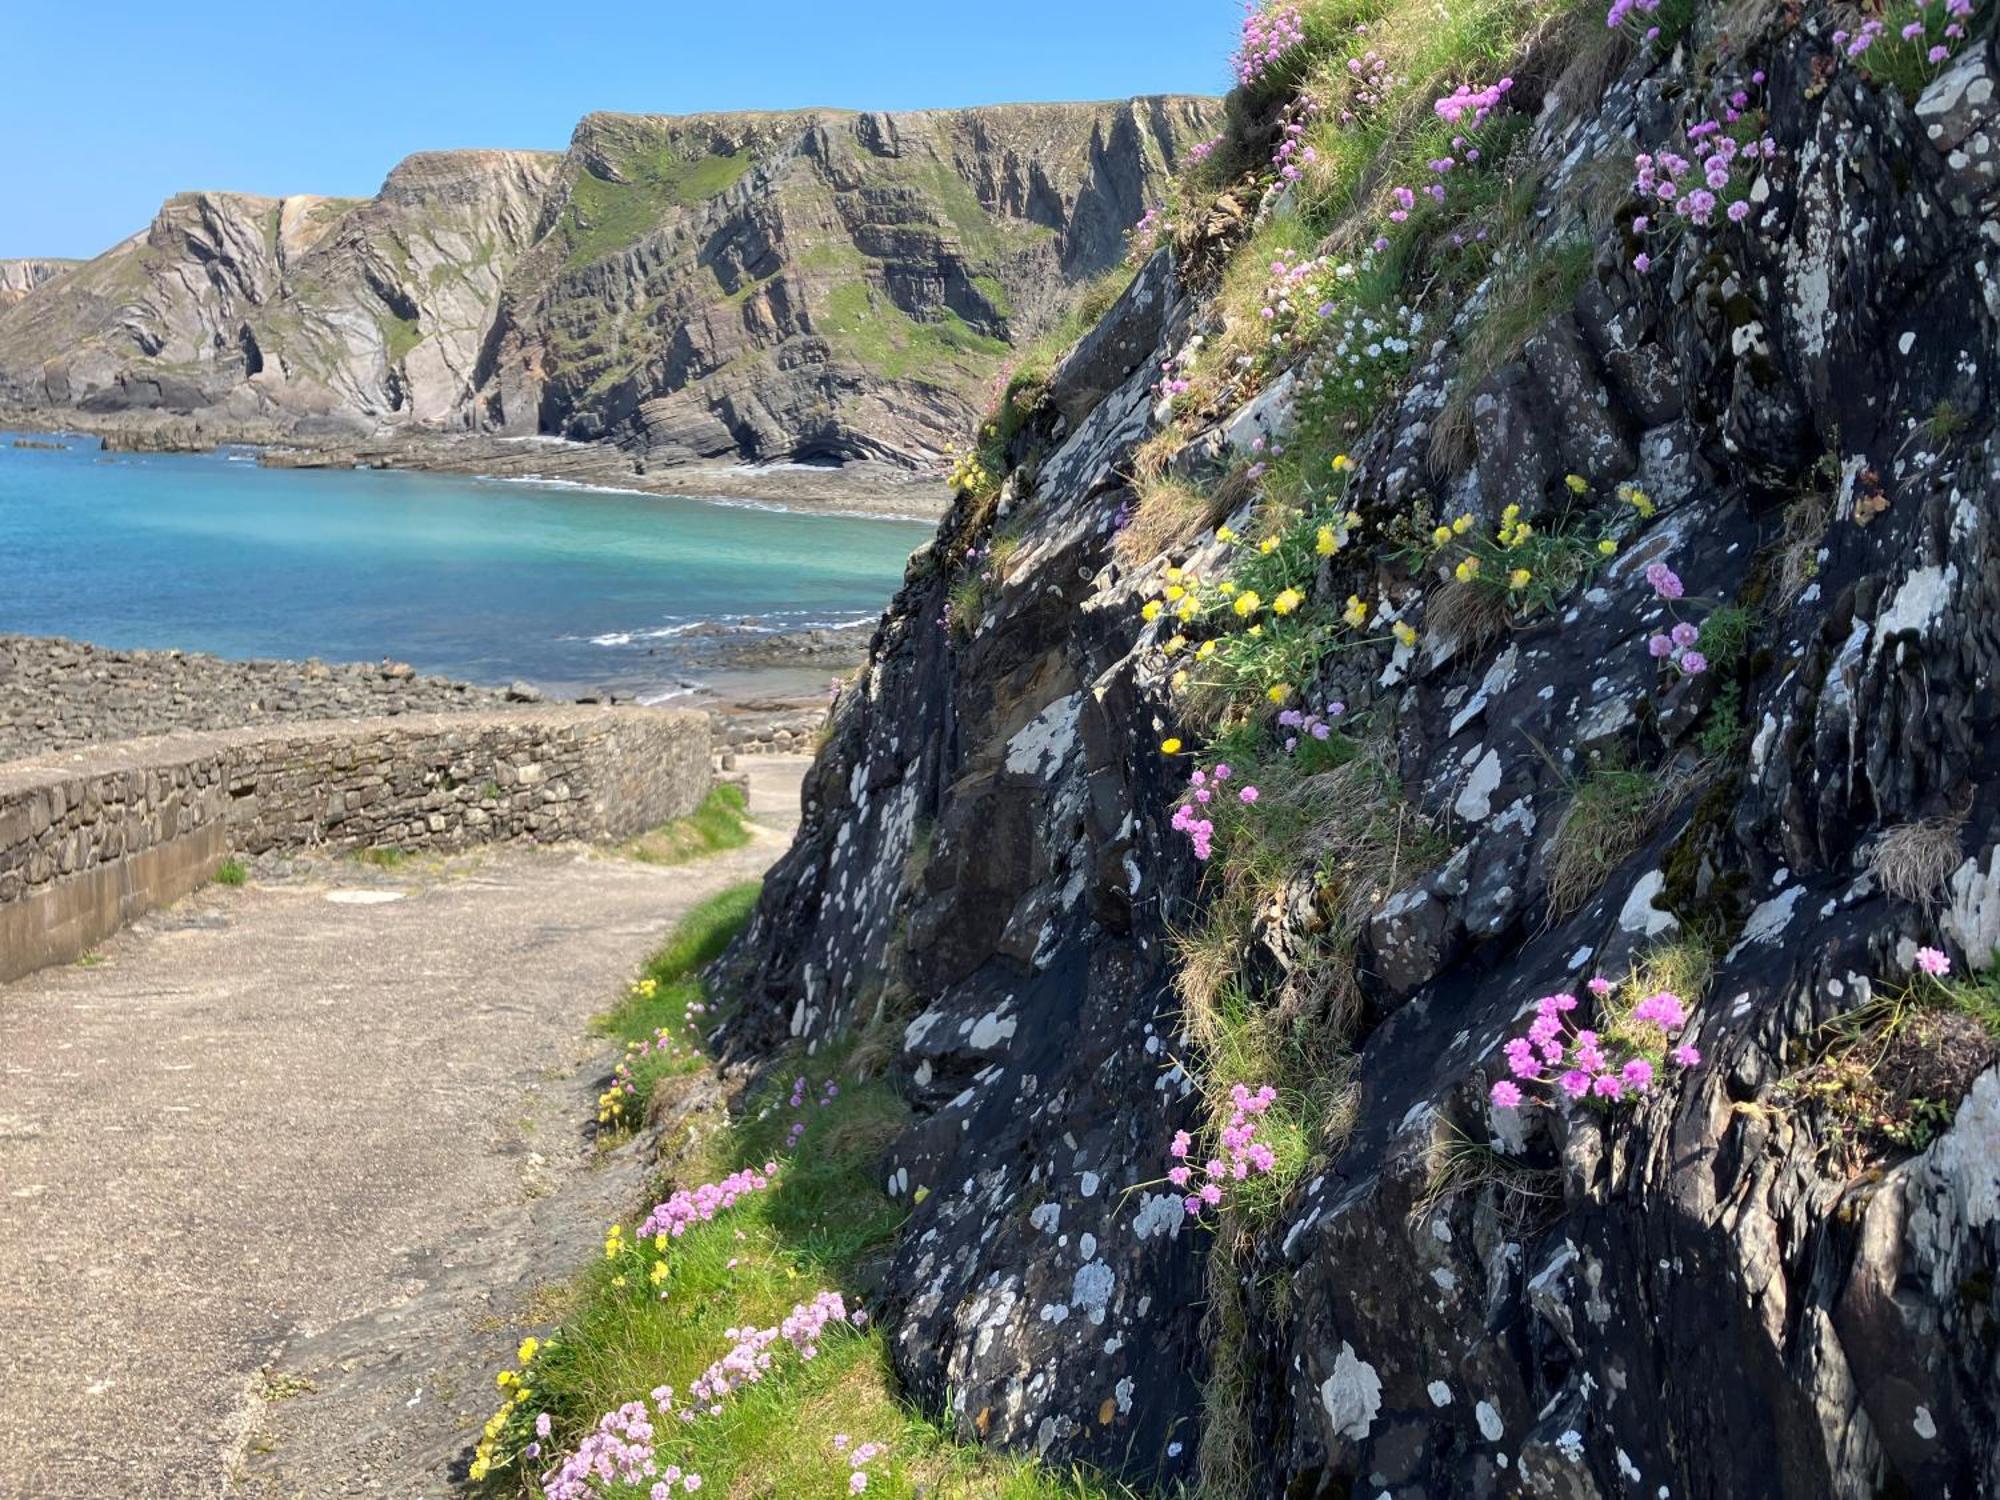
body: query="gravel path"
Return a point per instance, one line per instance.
(281, 1166)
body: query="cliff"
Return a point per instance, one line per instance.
(1504, 588)
(816, 285)
(20, 277)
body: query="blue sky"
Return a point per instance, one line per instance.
(111, 106)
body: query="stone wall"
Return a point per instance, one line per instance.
(92, 839)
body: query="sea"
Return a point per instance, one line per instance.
(491, 581)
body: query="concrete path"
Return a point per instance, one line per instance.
(281, 1169)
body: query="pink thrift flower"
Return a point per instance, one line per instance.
(1693, 663)
(1222, 772)
(1600, 986)
(1211, 1194)
(1660, 647)
(1506, 1094)
(1608, 1086)
(1666, 583)
(1685, 1056)
(1637, 1075)
(1642, 263)
(1248, 794)
(1933, 962)
(1575, 1083)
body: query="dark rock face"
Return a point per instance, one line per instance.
(1694, 1297)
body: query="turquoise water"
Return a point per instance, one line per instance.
(479, 579)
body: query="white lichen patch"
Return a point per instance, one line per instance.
(1352, 1395)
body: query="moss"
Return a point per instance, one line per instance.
(1703, 887)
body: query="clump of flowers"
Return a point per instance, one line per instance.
(506, 1435)
(829, 1092)
(1370, 84)
(749, 1359)
(1240, 1156)
(1917, 38)
(859, 1456)
(1478, 103)
(1269, 35)
(1707, 179)
(1555, 1060)
(1295, 153)
(619, 1452)
(674, 1217)
(969, 476)
(1144, 237)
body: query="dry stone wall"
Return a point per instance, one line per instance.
(92, 839)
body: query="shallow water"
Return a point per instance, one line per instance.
(480, 579)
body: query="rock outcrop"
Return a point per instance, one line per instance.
(20, 277)
(1728, 1288)
(816, 286)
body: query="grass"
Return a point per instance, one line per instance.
(1912, 861)
(675, 971)
(232, 872)
(646, 1315)
(399, 336)
(388, 857)
(1889, 1074)
(866, 326)
(1609, 815)
(605, 216)
(716, 825)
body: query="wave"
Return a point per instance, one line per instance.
(792, 621)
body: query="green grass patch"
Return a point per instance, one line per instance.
(867, 327)
(675, 971)
(399, 336)
(649, 1315)
(387, 857)
(605, 216)
(716, 825)
(232, 872)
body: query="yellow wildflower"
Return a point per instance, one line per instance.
(1607, 547)
(1342, 463)
(505, 1378)
(1462, 525)
(1255, 632)
(1151, 610)
(1404, 633)
(1638, 499)
(1175, 591)
(528, 1349)
(1278, 693)
(1510, 515)
(1268, 545)
(1175, 575)
(1170, 746)
(1180, 681)
(1174, 645)
(1577, 484)
(1204, 651)
(1356, 612)
(1328, 542)
(1186, 608)
(1467, 570)
(1520, 578)
(1441, 536)
(1224, 534)
(1247, 603)
(1288, 601)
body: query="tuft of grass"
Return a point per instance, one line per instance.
(1725, 636)
(1456, 1163)
(716, 825)
(388, 857)
(232, 872)
(1166, 513)
(1610, 813)
(1912, 861)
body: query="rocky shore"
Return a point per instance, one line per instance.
(55, 693)
(859, 488)
(58, 694)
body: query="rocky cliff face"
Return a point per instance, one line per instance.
(807, 286)
(1769, 1275)
(20, 277)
